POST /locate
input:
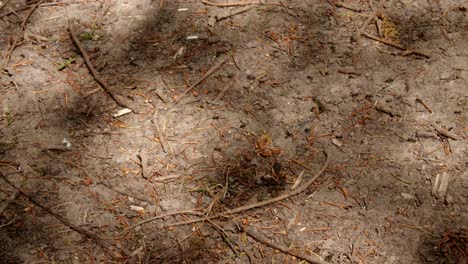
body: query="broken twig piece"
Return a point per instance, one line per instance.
(351, 8)
(233, 13)
(446, 133)
(239, 3)
(398, 46)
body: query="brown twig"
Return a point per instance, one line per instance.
(311, 259)
(233, 13)
(30, 14)
(109, 250)
(398, 46)
(419, 100)
(239, 3)
(21, 34)
(159, 217)
(5, 4)
(204, 77)
(91, 68)
(343, 5)
(446, 133)
(225, 237)
(226, 213)
(366, 22)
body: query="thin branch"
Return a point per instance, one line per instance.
(261, 239)
(345, 6)
(239, 3)
(233, 13)
(28, 16)
(108, 249)
(225, 236)
(5, 4)
(159, 217)
(446, 133)
(91, 68)
(396, 45)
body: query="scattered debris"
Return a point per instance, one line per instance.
(248, 138)
(247, 207)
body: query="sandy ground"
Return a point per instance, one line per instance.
(233, 106)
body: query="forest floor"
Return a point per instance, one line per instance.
(152, 131)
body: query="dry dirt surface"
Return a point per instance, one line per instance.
(222, 131)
